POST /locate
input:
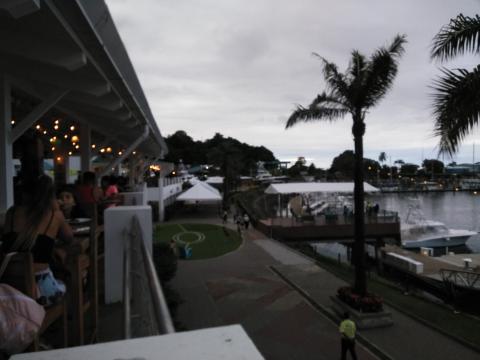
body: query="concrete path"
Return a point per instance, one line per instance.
(241, 288)
(407, 339)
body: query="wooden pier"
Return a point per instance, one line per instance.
(322, 228)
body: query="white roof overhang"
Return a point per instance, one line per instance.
(56, 45)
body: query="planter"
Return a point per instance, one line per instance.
(362, 320)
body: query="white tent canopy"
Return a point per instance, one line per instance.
(316, 187)
(201, 192)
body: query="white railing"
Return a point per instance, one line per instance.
(145, 308)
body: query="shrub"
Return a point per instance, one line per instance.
(165, 261)
(367, 304)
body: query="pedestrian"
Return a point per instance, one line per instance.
(348, 330)
(246, 220)
(225, 217)
(238, 221)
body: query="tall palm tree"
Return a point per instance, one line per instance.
(382, 157)
(457, 92)
(354, 92)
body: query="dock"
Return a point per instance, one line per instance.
(336, 229)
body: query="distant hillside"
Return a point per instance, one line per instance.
(216, 151)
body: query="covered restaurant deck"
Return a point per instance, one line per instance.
(68, 89)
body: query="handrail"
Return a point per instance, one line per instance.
(127, 329)
(164, 323)
(164, 319)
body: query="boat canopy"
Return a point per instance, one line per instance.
(316, 187)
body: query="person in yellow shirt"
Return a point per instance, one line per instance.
(348, 330)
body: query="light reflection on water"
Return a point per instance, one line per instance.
(458, 210)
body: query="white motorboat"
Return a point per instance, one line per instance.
(418, 232)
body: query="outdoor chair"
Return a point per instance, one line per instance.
(20, 274)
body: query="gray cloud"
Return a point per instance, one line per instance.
(239, 68)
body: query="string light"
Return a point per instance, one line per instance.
(94, 146)
(70, 153)
(54, 138)
(44, 132)
(53, 148)
(59, 158)
(134, 152)
(72, 128)
(102, 150)
(77, 147)
(12, 122)
(55, 127)
(57, 121)
(65, 136)
(109, 149)
(119, 153)
(75, 138)
(38, 127)
(51, 140)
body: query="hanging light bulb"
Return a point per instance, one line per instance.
(53, 148)
(94, 146)
(57, 121)
(59, 158)
(102, 150)
(119, 153)
(75, 138)
(72, 128)
(77, 147)
(12, 122)
(44, 132)
(51, 140)
(70, 153)
(109, 149)
(55, 127)
(54, 138)
(38, 127)
(65, 136)
(134, 152)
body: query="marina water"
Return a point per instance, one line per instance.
(457, 210)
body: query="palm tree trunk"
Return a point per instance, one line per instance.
(360, 285)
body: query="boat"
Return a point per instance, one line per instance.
(417, 232)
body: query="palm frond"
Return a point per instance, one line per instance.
(336, 81)
(381, 72)
(461, 35)
(323, 107)
(456, 104)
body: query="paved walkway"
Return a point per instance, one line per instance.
(240, 288)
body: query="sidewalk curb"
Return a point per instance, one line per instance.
(381, 354)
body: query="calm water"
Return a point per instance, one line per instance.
(458, 210)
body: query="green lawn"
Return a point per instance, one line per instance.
(217, 240)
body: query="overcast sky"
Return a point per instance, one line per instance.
(239, 67)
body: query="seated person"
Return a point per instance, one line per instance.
(110, 191)
(68, 204)
(34, 227)
(87, 192)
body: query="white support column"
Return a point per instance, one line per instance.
(6, 156)
(161, 203)
(85, 147)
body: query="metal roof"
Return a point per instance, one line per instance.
(316, 187)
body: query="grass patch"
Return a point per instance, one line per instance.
(218, 240)
(461, 326)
